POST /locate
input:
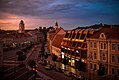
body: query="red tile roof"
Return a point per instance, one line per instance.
(53, 34)
(111, 33)
(57, 41)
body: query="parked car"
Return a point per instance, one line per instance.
(67, 73)
(44, 63)
(77, 77)
(48, 67)
(40, 61)
(58, 69)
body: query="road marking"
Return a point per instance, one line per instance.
(20, 75)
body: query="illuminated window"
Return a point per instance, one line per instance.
(62, 55)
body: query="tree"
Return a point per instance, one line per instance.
(65, 61)
(81, 66)
(54, 57)
(32, 63)
(101, 70)
(19, 53)
(21, 57)
(46, 55)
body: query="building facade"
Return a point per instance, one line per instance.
(53, 42)
(103, 48)
(74, 47)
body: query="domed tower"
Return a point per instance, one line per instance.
(21, 27)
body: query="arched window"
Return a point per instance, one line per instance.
(103, 36)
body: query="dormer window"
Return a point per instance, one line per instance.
(103, 36)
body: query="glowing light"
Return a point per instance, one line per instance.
(82, 60)
(77, 51)
(63, 56)
(73, 61)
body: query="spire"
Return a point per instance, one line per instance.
(56, 24)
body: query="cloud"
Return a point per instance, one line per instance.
(67, 11)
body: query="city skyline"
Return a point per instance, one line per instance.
(69, 13)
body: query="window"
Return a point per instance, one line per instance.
(67, 34)
(95, 56)
(113, 46)
(91, 56)
(73, 36)
(113, 59)
(70, 34)
(118, 47)
(101, 46)
(113, 72)
(103, 57)
(91, 66)
(102, 35)
(95, 45)
(104, 45)
(77, 36)
(95, 67)
(74, 44)
(91, 45)
(118, 58)
(82, 36)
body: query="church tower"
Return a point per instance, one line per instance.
(21, 27)
(56, 25)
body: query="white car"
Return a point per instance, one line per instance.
(48, 67)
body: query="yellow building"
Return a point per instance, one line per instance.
(74, 47)
(103, 47)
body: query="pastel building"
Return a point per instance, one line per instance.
(103, 47)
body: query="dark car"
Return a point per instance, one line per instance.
(58, 69)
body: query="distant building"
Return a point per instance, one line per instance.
(21, 27)
(22, 36)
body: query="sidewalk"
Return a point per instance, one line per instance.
(86, 74)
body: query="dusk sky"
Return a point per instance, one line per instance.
(68, 13)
